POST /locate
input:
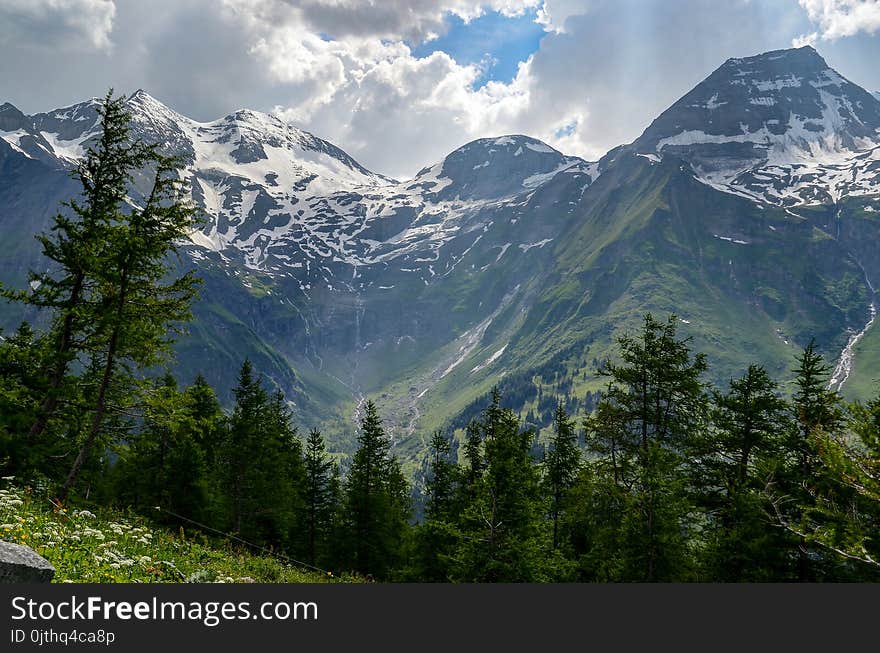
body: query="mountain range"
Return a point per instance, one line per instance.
(750, 209)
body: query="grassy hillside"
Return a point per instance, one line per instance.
(115, 547)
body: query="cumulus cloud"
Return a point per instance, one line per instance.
(416, 20)
(350, 75)
(347, 71)
(553, 13)
(839, 18)
(362, 87)
(58, 23)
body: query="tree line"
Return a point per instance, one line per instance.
(675, 480)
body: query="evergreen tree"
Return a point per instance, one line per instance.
(318, 498)
(262, 464)
(138, 308)
(437, 537)
(845, 514)
(237, 463)
(817, 413)
(22, 384)
(501, 524)
(561, 464)
(377, 502)
(442, 479)
(659, 398)
(164, 465)
(743, 457)
(79, 245)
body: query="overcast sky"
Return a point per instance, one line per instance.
(399, 84)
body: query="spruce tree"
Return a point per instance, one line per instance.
(845, 513)
(657, 394)
(318, 498)
(438, 536)
(377, 503)
(138, 307)
(561, 464)
(164, 463)
(241, 445)
(501, 520)
(816, 412)
(743, 457)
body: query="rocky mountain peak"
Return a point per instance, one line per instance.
(493, 167)
(782, 104)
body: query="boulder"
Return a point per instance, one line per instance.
(21, 564)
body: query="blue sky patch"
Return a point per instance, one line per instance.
(496, 42)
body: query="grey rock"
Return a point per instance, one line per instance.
(21, 564)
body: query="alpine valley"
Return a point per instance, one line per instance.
(750, 209)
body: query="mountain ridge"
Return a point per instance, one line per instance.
(510, 262)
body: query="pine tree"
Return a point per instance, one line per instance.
(377, 503)
(22, 384)
(261, 466)
(743, 457)
(501, 521)
(845, 514)
(561, 465)
(164, 464)
(658, 395)
(816, 411)
(441, 481)
(318, 498)
(237, 464)
(139, 310)
(437, 537)
(79, 246)
(609, 442)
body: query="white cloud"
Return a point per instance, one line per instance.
(352, 79)
(553, 14)
(417, 20)
(343, 69)
(59, 22)
(805, 39)
(840, 18)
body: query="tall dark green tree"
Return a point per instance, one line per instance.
(743, 458)
(261, 464)
(165, 464)
(377, 501)
(501, 522)
(318, 498)
(561, 465)
(817, 412)
(845, 514)
(657, 394)
(22, 386)
(437, 537)
(139, 308)
(78, 247)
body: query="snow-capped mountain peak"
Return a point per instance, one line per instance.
(494, 167)
(780, 126)
(60, 136)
